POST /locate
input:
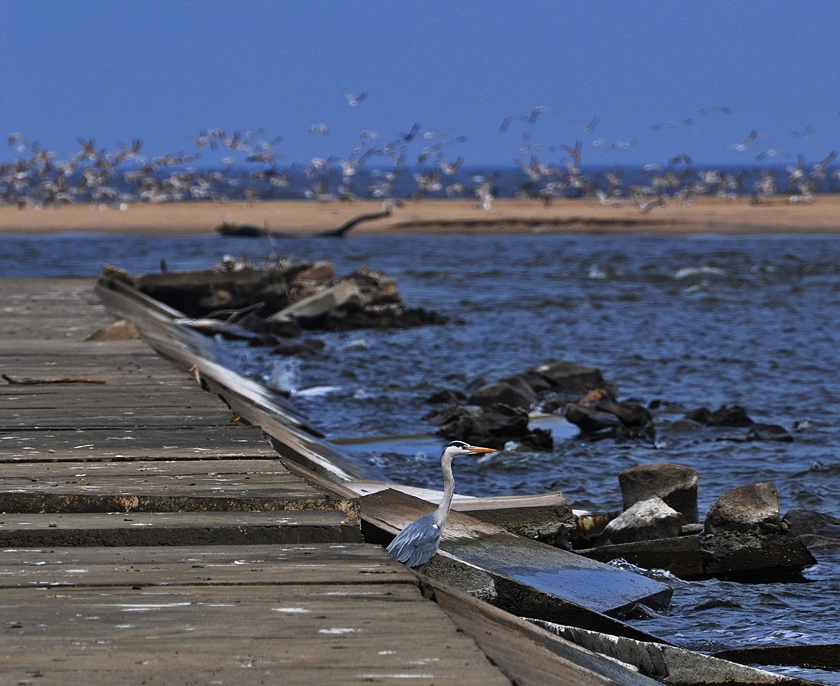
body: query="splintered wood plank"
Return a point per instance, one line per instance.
(158, 486)
(178, 528)
(321, 621)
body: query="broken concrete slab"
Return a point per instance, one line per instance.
(321, 302)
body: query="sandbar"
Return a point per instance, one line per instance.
(582, 216)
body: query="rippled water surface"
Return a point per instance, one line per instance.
(693, 322)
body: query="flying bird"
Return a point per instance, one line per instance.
(418, 542)
(354, 100)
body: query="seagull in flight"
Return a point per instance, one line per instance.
(354, 100)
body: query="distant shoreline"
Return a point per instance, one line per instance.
(435, 217)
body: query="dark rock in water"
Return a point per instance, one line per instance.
(751, 508)
(376, 317)
(699, 416)
(631, 415)
(590, 420)
(446, 396)
(489, 426)
(725, 415)
(595, 424)
(553, 406)
(675, 484)
(571, 378)
(647, 519)
(815, 529)
(768, 432)
(686, 424)
(744, 533)
(502, 392)
(729, 416)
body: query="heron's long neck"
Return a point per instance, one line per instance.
(448, 491)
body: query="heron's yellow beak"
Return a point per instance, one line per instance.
(478, 449)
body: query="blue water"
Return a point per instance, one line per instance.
(697, 321)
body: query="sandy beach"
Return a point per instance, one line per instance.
(705, 215)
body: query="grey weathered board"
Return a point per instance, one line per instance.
(524, 572)
(310, 614)
(159, 486)
(42, 530)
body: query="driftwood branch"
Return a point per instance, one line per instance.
(346, 226)
(249, 230)
(37, 382)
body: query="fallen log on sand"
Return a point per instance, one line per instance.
(252, 231)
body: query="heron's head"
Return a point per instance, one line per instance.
(461, 448)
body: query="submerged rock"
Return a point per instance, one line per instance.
(768, 432)
(606, 419)
(571, 378)
(815, 529)
(725, 415)
(503, 392)
(489, 426)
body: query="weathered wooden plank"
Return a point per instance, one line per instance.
(182, 528)
(87, 416)
(227, 441)
(286, 564)
(249, 630)
(516, 573)
(672, 664)
(527, 654)
(159, 486)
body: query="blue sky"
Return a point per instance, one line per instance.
(657, 78)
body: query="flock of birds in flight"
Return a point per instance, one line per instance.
(389, 172)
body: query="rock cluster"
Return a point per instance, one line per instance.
(497, 412)
(492, 426)
(743, 536)
(732, 416)
(277, 301)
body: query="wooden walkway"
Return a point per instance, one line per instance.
(148, 538)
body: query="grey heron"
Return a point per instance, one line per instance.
(417, 543)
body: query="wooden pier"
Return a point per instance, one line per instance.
(149, 537)
(246, 573)
(153, 533)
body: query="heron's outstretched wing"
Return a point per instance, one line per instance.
(417, 543)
